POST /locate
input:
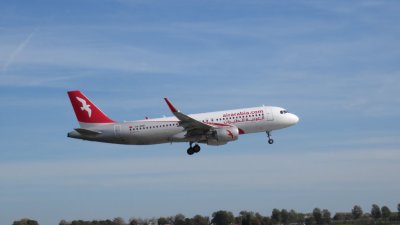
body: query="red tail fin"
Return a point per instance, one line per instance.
(85, 110)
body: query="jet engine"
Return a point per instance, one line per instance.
(222, 135)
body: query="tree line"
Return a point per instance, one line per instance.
(377, 215)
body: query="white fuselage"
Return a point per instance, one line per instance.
(168, 129)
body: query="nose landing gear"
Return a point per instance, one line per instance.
(270, 140)
(193, 149)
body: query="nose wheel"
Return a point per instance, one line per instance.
(270, 140)
(193, 149)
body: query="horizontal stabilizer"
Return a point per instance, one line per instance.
(87, 132)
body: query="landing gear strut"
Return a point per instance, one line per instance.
(270, 140)
(193, 149)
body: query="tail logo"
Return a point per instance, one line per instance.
(85, 106)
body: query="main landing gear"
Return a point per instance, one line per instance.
(270, 140)
(193, 149)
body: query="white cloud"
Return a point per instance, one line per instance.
(11, 58)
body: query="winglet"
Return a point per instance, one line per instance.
(171, 107)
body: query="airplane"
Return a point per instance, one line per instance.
(212, 128)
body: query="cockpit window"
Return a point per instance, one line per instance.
(284, 111)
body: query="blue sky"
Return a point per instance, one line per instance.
(333, 63)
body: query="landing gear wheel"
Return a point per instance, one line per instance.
(190, 151)
(196, 148)
(270, 140)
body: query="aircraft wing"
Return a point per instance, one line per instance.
(192, 126)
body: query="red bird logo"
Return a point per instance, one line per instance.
(230, 133)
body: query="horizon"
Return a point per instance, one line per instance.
(239, 214)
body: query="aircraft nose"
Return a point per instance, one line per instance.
(294, 119)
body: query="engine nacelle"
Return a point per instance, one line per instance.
(223, 135)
